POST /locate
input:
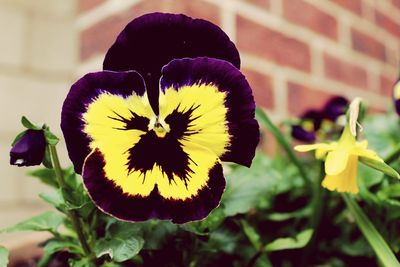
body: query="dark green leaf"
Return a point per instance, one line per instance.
(47, 176)
(16, 139)
(299, 241)
(51, 138)
(29, 125)
(119, 248)
(47, 158)
(85, 262)
(48, 221)
(380, 166)
(246, 186)
(3, 257)
(209, 224)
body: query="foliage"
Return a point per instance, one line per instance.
(272, 214)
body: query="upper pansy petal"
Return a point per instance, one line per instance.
(149, 42)
(84, 92)
(220, 103)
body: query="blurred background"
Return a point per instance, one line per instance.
(295, 53)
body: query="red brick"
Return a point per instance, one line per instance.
(302, 98)
(354, 6)
(262, 88)
(368, 45)
(345, 72)
(260, 3)
(396, 3)
(387, 84)
(310, 17)
(98, 38)
(272, 45)
(387, 23)
(85, 5)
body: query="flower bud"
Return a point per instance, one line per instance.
(29, 149)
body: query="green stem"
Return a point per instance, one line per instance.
(372, 235)
(263, 117)
(394, 154)
(72, 214)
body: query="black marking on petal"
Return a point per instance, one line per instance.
(165, 152)
(135, 122)
(180, 121)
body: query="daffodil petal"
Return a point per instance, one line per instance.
(221, 104)
(367, 153)
(346, 181)
(336, 161)
(306, 148)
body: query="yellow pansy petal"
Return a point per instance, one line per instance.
(336, 162)
(345, 181)
(363, 144)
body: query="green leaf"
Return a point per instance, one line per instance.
(85, 262)
(251, 234)
(56, 245)
(47, 158)
(372, 235)
(3, 257)
(47, 176)
(209, 224)
(380, 166)
(299, 241)
(246, 186)
(48, 221)
(18, 137)
(119, 248)
(29, 125)
(54, 198)
(51, 138)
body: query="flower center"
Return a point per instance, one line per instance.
(159, 126)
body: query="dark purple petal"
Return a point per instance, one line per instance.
(151, 41)
(111, 199)
(82, 93)
(301, 134)
(242, 127)
(29, 149)
(335, 107)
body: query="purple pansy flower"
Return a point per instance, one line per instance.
(148, 133)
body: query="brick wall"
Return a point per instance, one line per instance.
(295, 53)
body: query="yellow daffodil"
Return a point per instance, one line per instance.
(341, 161)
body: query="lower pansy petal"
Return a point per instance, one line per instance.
(110, 88)
(218, 104)
(140, 196)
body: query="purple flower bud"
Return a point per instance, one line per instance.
(29, 149)
(335, 107)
